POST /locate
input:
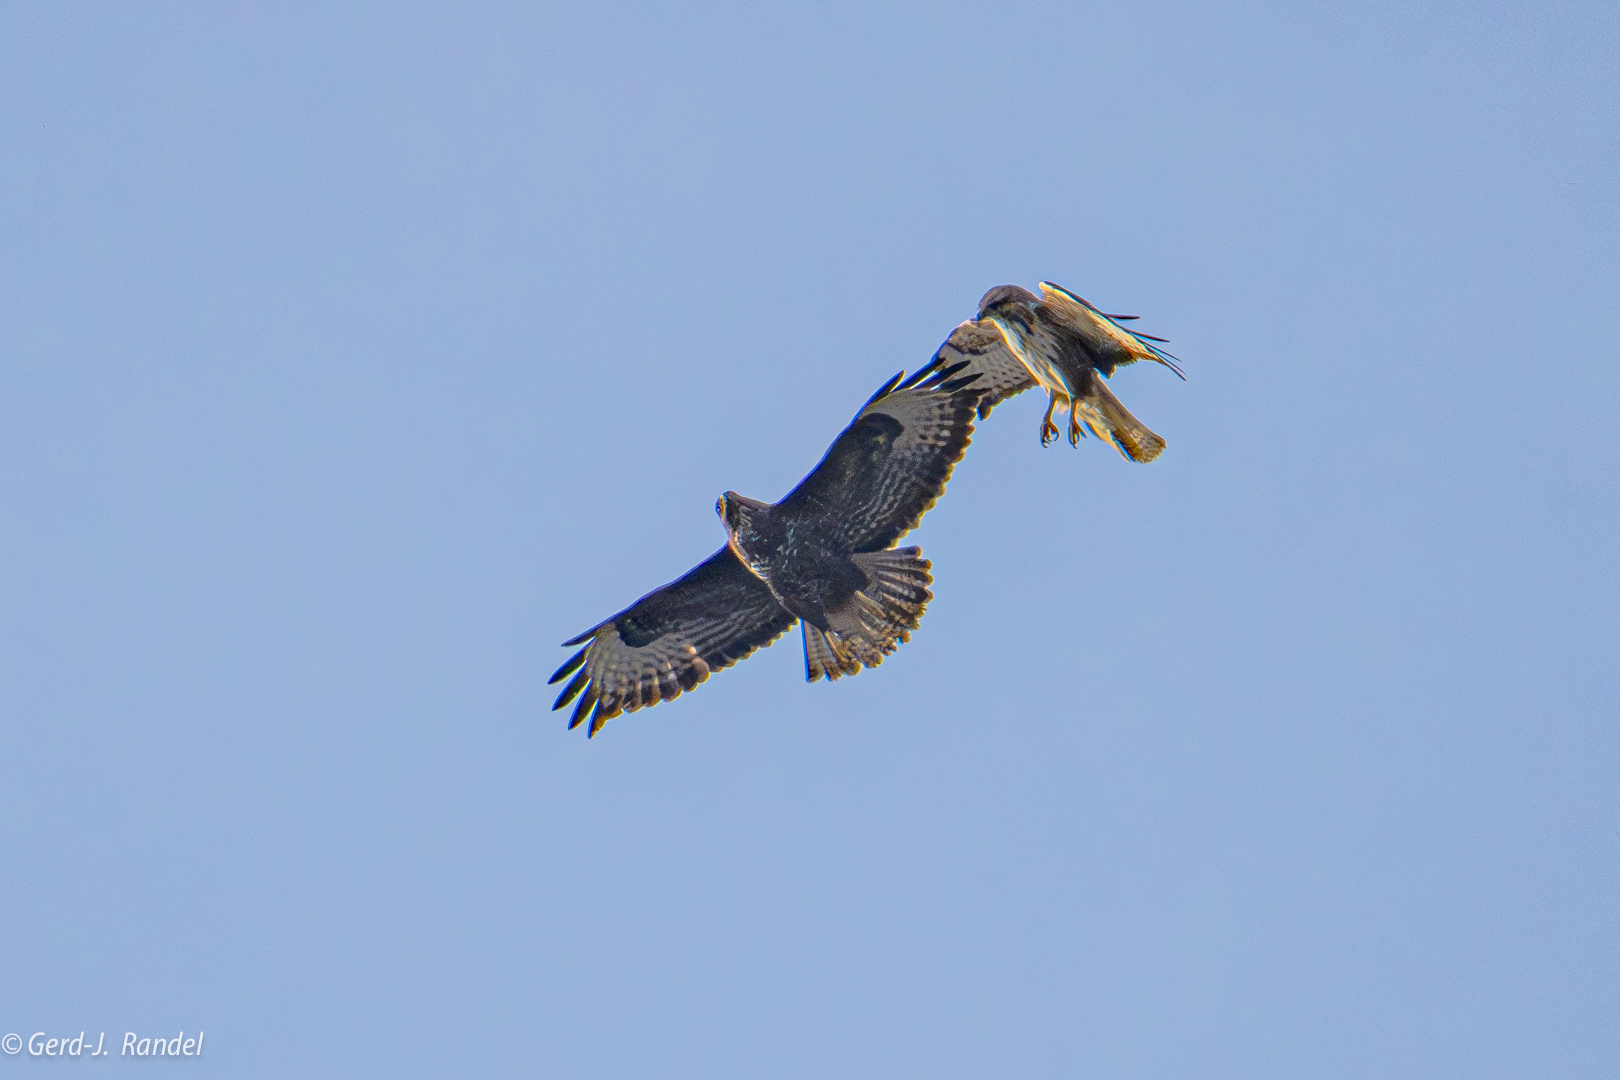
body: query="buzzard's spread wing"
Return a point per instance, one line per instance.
(890, 464)
(1110, 343)
(670, 640)
(981, 346)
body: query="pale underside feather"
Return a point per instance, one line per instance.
(981, 345)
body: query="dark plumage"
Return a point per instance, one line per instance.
(821, 556)
(1065, 345)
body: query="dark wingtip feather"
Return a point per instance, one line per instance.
(572, 690)
(930, 367)
(1169, 361)
(920, 375)
(884, 389)
(586, 636)
(583, 709)
(573, 662)
(938, 378)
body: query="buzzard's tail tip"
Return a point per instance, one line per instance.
(876, 619)
(1110, 420)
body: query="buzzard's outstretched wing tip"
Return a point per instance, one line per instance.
(919, 376)
(939, 379)
(671, 640)
(1168, 360)
(572, 662)
(586, 706)
(1146, 340)
(572, 690)
(882, 390)
(583, 638)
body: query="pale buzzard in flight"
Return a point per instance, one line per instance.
(1064, 345)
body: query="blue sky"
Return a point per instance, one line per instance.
(357, 356)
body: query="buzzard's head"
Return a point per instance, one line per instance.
(737, 510)
(1003, 297)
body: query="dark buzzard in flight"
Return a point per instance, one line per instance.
(1064, 345)
(822, 556)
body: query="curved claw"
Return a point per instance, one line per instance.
(1049, 430)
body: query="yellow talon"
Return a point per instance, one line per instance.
(1049, 430)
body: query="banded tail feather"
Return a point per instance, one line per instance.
(876, 619)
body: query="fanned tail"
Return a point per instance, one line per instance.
(875, 620)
